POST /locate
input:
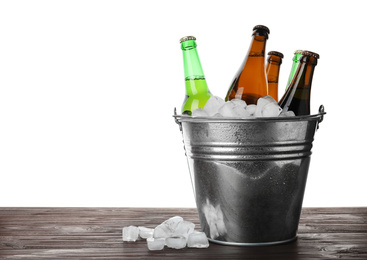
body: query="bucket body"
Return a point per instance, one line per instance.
(249, 175)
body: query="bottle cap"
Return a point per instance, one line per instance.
(187, 38)
(312, 54)
(276, 53)
(262, 27)
(298, 52)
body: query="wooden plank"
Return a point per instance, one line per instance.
(95, 233)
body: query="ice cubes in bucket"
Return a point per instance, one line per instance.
(266, 106)
(212, 105)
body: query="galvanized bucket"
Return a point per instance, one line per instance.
(249, 175)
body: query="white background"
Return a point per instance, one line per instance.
(87, 91)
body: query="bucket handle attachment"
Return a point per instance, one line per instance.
(322, 113)
(176, 120)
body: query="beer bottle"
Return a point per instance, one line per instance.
(272, 72)
(297, 96)
(297, 56)
(250, 81)
(197, 92)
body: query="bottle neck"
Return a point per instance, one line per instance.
(273, 68)
(192, 65)
(304, 73)
(296, 59)
(258, 45)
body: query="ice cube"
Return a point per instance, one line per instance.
(198, 240)
(239, 102)
(173, 222)
(167, 227)
(184, 229)
(145, 232)
(176, 242)
(130, 233)
(213, 104)
(261, 102)
(271, 110)
(218, 115)
(161, 231)
(251, 109)
(290, 113)
(156, 243)
(199, 112)
(231, 109)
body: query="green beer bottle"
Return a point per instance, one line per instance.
(197, 92)
(297, 56)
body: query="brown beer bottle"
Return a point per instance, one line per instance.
(272, 72)
(297, 96)
(250, 82)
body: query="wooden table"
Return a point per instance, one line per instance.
(95, 233)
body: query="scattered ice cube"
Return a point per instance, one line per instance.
(173, 222)
(130, 233)
(145, 232)
(198, 240)
(176, 242)
(251, 109)
(184, 229)
(199, 112)
(161, 231)
(167, 227)
(271, 110)
(156, 243)
(213, 104)
(239, 102)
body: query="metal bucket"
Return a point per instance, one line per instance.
(249, 175)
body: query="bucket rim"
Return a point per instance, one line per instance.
(186, 118)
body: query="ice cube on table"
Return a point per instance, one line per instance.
(145, 232)
(130, 233)
(176, 242)
(271, 110)
(261, 102)
(239, 102)
(198, 240)
(173, 222)
(161, 231)
(167, 227)
(213, 104)
(184, 229)
(199, 112)
(156, 243)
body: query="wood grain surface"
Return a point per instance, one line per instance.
(96, 233)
